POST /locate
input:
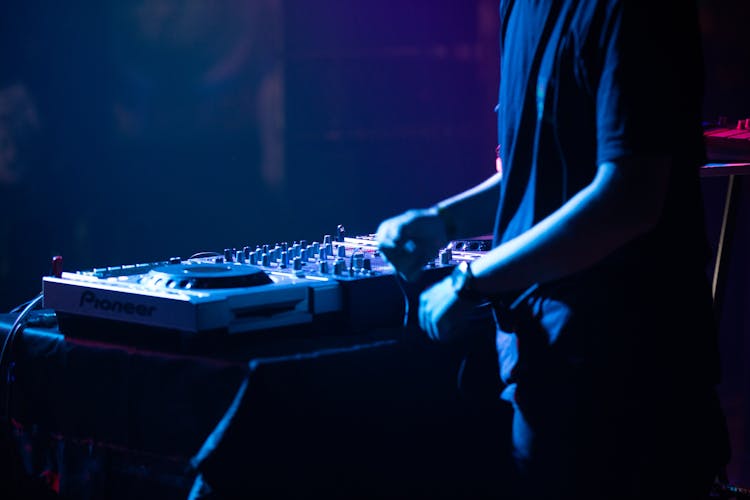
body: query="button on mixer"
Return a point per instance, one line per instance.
(358, 260)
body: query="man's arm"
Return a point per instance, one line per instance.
(624, 200)
(471, 213)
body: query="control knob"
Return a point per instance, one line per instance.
(339, 266)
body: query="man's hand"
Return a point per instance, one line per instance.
(409, 240)
(442, 314)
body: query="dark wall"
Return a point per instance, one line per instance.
(389, 106)
(132, 131)
(726, 58)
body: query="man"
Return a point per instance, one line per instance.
(597, 276)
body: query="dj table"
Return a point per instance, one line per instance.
(290, 412)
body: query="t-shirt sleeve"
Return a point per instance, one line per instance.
(639, 88)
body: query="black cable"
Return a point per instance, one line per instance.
(20, 307)
(401, 281)
(5, 372)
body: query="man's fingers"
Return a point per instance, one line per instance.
(426, 316)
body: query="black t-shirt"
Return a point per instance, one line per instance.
(583, 82)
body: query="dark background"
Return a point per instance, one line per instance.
(135, 131)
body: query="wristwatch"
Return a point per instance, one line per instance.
(464, 283)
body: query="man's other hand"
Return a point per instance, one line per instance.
(442, 314)
(408, 241)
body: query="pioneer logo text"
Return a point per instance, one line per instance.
(88, 298)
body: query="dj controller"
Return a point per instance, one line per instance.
(245, 290)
